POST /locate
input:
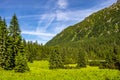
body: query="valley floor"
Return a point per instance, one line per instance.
(40, 71)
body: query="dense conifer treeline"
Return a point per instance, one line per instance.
(15, 52)
(12, 51)
(94, 41)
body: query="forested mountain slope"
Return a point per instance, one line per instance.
(100, 27)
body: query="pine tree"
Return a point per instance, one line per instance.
(30, 51)
(56, 60)
(9, 57)
(3, 40)
(16, 56)
(1, 59)
(21, 60)
(82, 60)
(15, 39)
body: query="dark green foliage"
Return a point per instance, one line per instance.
(18, 53)
(94, 63)
(14, 27)
(70, 55)
(113, 59)
(12, 53)
(30, 52)
(82, 58)
(37, 51)
(21, 61)
(8, 58)
(3, 40)
(15, 38)
(97, 35)
(56, 59)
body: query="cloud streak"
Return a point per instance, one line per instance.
(45, 19)
(40, 36)
(36, 33)
(62, 4)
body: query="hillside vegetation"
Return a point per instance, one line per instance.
(97, 36)
(102, 24)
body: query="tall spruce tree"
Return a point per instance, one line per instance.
(17, 57)
(56, 59)
(21, 60)
(3, 40)
(9, 57)
(1, 50)
(15, 39)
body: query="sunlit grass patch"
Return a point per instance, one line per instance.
(40, 71)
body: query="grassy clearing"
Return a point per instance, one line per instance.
(40, 71)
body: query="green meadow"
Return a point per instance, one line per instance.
(39, 71)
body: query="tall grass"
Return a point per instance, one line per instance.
(40, 71)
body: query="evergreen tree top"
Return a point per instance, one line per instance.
(14, 25)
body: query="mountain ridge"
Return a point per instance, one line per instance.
(103, 23)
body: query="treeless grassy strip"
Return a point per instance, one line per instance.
(40, 71)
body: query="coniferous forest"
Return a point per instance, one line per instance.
(12, 50)
(91, 47)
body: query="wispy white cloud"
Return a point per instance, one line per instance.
(26, 16)
(29, 16)
(62, 4)
(36, 33)
(77, 15)
(59, 27)
(61, 16)
(40, 37)
(46, 18)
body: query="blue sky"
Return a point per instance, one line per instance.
(41, 20)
